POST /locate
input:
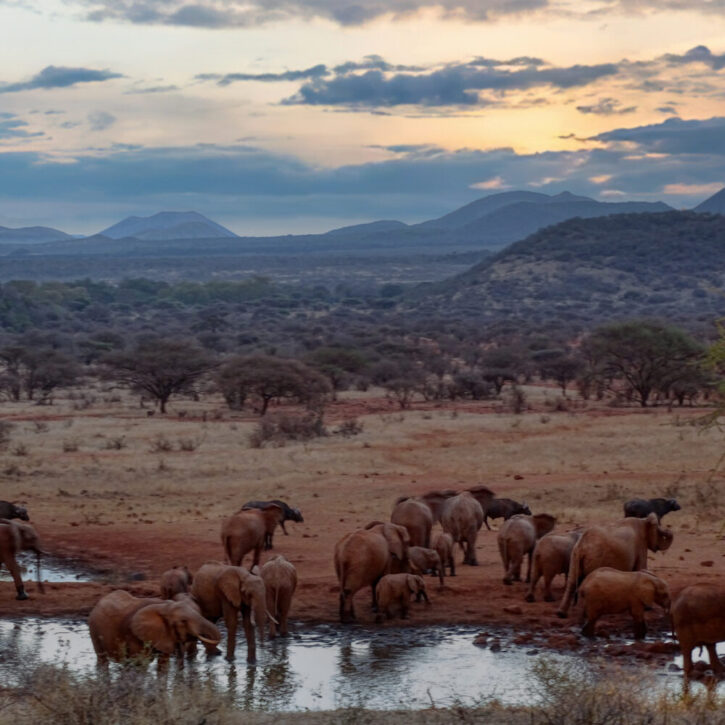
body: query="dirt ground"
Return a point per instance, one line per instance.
(110, 485)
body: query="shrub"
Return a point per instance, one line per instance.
(6, 428)
(116, 443)
(279, 429)
(161, 444)
(348, 428)
(70, 445)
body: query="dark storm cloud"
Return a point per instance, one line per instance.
(674, 136)
(606, 107)
(59, 77)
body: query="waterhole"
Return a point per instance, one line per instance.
(325, 667)
(52, 569)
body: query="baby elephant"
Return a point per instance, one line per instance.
(175, 581)
(423, 560)
(551, 557)
(395, 589)
(610, 591)
(444, 546)
(280, 582)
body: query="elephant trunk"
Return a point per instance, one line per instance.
(206, 632)
(260, 614)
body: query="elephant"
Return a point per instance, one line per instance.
(462, 517)
(485, 496)
(288, 514)
(641, 507)
(698, 619)
(247, 530)
(517, 538)
(280, 582)
(444, 546)
(11, 511)
(222, 590)
(434, 500)
(416, 516)
(16, 537)
(395, 589)
(612, 591)
(175, 581)
(423, 560)
(551, 557)
(504, 508)
(621, 546)
(123, 626)
(363, 557)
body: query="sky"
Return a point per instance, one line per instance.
(294, 116)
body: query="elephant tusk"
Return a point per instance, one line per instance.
(208, 641)
(271, 617)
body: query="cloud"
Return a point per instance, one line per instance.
(152, 89)
(453, 85)
(101, 120)
(216, 14)
(698, 54)
(694, 189)
(496, 183)
(606, 107)
(673, 136)
(290, 75)
(59, 77)
(13, 127)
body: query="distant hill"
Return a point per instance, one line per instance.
(714, 205)
(500, 219)
(382, 226)
(31, 235)
(668, 265)
(168, 225)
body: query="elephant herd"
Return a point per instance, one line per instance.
(605, 568)
(605, 565)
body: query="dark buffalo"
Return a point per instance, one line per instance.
(290, 514)
(643, 507)
(503, 508)
(11, 511)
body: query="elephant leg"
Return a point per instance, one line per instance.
(375, 593)
(485, 521)
(257, 554)
(267, 542)
(249, 634)
(528, 569)
(715, 664)
(588, 628)
(231, 616)
(14, 570)
(452, 564)
(548, 596)
(441, 571)
(640, 628)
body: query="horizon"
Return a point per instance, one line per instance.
(306, 115)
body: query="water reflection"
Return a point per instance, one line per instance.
(321, 668)
(52, 569)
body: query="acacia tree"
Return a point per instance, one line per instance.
(644, 356)
(161, 368)
(268, 378)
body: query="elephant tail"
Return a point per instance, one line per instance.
(572, 584)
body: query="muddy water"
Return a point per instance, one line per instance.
(324, 667)
(52, 569)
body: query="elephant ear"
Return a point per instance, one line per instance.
(150, 625)
(397, 540)
(230, 586)
(415, 583)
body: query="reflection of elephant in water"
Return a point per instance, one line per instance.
(124, 626)
(551, 557)
(462, 517)
(16, 537)
(394, 590)
(611, 591)
(698, 618)
(363, 557)
(247, 530)
(621, 546)
(517, 538)
(416, 517)
(175, 581)
(280, 582)
(222, 590)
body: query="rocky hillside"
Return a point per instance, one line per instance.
(669, 265)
